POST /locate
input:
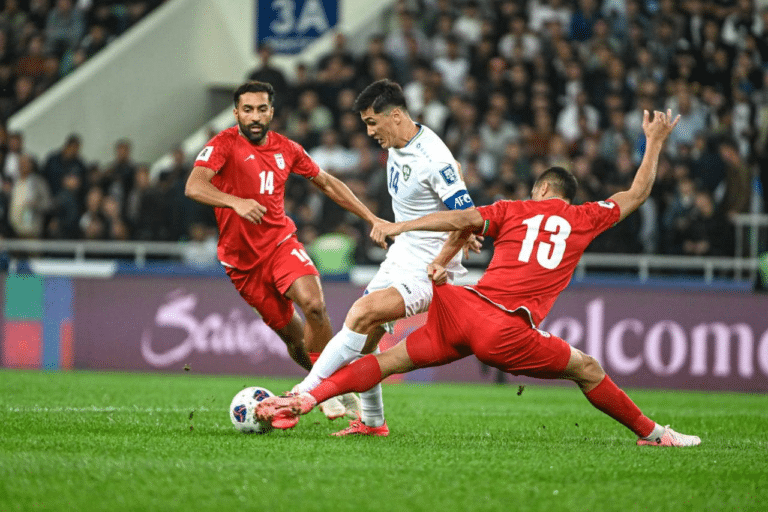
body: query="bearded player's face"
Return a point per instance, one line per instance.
(254, 113)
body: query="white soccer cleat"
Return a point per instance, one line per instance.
(353, 405)
(333, 408)
(671, 438)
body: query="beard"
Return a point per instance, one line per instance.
(256, 138)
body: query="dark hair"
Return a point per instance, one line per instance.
(381, 95)
(254, 86)
(563, 182)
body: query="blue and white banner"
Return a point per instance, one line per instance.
(289, 26)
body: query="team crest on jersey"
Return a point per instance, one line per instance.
(280, 160)
(406, 172)
(449, 174)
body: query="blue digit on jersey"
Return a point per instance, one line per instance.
(459, 201)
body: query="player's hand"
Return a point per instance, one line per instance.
(661, 126)
(381, 230)
(474, 243)
(437, 273)
(250, 210)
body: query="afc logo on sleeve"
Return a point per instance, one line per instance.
(449, 174)
(205, 154)
(462, 202)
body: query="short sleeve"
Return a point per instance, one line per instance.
(445, 180)
(303, 164)
(214, 154)
(493, 215)
(603, 214)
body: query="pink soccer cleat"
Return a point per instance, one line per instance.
(358, 428)
(283, 412)
(671, 438)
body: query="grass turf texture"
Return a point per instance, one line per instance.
(98, 441)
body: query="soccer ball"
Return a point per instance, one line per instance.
(243, 407)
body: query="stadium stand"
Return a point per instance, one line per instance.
(513, 86)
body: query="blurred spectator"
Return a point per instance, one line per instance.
(12, 155)
(67, 209)
(738, 180)
(30, 201)
(267, 72)
(93, 225)
(398, 42)
(583, 19)
(200, 250)
(64, 27)
(454, 67)
(118, 178)
(318, 115)
(5, 206)
(708, 232)
(496, 132)
(332, 156)
(693, 118)
(519, 40)
(469, 24)
(65, 161)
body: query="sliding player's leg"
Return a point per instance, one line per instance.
(606, 396)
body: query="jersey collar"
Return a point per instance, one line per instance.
(421, 130)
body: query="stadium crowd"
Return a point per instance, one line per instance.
(512, 86)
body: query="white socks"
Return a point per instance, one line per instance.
(656, 433)
(372, 404)
(343, 348)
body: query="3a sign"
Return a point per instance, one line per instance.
(289, 26)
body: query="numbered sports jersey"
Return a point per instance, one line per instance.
(423, 178)
(537, 245)
(247, 170)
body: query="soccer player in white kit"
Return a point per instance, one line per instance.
(422, 177)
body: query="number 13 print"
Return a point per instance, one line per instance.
(549, 255)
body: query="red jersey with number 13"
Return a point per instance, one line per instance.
(537, 245)
(257, 172)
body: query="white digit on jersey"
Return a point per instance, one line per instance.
(267, 182)
(301, 254)
(549, 255)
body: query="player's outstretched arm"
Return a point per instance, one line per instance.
(451, 220)
(344, 197)
(656, 132)
(200, 188)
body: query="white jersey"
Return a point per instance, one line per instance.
(422, 177)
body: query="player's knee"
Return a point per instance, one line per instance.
(591, 371)
(362, 317)
(313, 308)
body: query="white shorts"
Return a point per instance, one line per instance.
(415, 288)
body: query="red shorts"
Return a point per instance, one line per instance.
(460, 323)
(264, 286)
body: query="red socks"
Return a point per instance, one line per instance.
(313, 356)
(361, 375)
(608, 398)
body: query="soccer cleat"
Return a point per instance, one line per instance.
(358, 428)
(354, 408)
(283, 411)
(333, 408)
(670, 438)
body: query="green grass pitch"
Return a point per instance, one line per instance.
(120, 441)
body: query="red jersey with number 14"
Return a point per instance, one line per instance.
(537, 245)
(257, 172)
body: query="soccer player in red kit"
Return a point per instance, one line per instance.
(242, 172)
(538, 244)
